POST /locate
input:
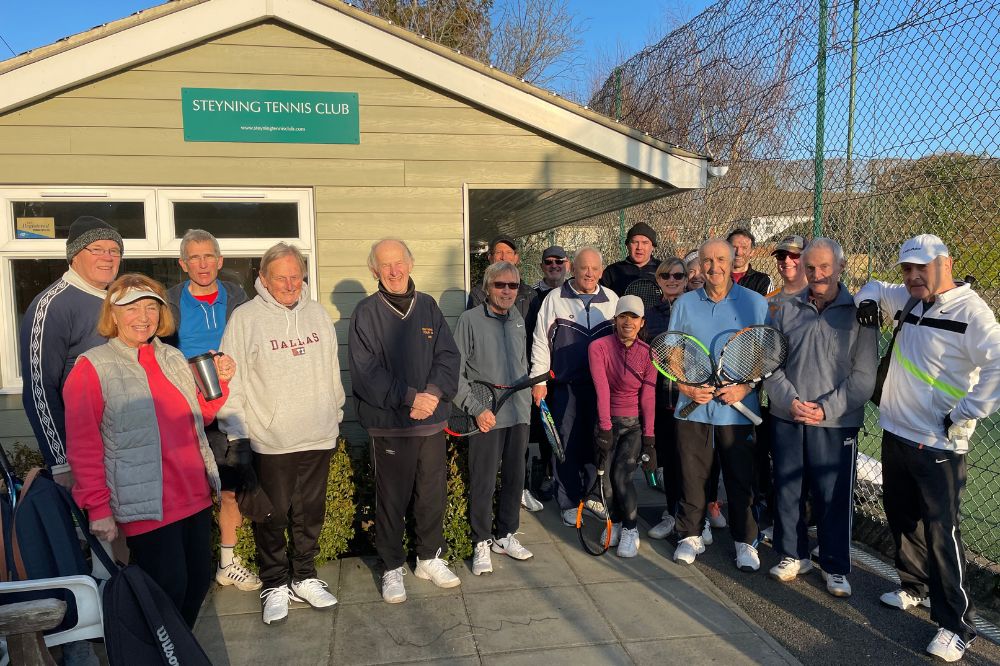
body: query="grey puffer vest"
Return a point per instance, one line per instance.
(132, 457)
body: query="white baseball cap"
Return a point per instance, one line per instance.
(631, 304)
(922, 249)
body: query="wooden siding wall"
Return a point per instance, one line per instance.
(418, 147)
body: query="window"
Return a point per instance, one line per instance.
(34, 224)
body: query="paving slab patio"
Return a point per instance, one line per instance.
(561, 607)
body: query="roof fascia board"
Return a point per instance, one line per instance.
(548, 118)
(120, 50)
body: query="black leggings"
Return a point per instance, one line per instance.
(626, 433)
(178, 557)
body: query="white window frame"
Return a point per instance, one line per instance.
(158, 243)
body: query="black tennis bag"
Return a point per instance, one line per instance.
(142, 625)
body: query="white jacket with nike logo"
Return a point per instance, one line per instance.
(946, 360)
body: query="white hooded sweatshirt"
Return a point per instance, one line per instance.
(286, 395)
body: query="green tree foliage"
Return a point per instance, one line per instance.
(953, 195)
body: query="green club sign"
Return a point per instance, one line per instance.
(270, 116)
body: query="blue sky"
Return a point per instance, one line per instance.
(28, 24)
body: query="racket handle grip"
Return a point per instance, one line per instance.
(650, 476)
(745, 411)
(688, 408)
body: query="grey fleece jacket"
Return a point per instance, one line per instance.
(831, 360)
(493, 350)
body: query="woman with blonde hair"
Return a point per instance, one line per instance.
(136, 442)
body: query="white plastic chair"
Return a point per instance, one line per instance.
(90, 616)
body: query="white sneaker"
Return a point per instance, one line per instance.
(481, 560)
(569, 517)
(512, 547)
(815, 553)
(275, 604)
(529, 502)
(903, 600)
(596, 508)
(746, 557)
(688, 548)
(715, 516)
(313, 592)
(436, 570)
(629, 545)
(836, 584)
(947, 645)
(789, 567)
(767, 534)
(393, 591)
(238, 575)
(662, 528)
(616, 534)
(706, 533)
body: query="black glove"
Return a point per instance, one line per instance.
(239, 456)
(603, 441)
(868, 314)
(648, 456)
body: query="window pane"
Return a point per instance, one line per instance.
(128, 217)
(32, 276)
(238, 219)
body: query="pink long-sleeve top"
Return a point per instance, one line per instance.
(185, 485)
(625, 380)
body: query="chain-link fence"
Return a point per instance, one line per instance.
(912, 145)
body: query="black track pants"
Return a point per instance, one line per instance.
(499, 450)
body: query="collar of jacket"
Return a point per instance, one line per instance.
(493, 315)
(844, 298)
(569, 291)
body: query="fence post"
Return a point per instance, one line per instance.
(820, 120)
(618, 117)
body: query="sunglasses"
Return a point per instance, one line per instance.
(506, 285)
(675, 276)
(554, 262)
(781, 256)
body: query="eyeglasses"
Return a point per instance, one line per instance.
(98, 252)
(675, 276)
(507, 285)
(782, 255)
(554, 262)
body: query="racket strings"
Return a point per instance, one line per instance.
(681, 358)
(754, 353)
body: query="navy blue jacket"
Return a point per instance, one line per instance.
(58, 326)
(393, 357)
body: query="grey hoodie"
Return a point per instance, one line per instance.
(287, 395)
(831, 360)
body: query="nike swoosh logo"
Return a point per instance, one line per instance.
(520, 325)
(941, 461)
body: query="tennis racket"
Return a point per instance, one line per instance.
(596, 536)
(489, 396)
(750, 355)
(549, 426)
(647, 290)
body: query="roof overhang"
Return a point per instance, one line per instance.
(182, 23)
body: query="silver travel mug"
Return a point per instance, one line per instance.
(205, 376)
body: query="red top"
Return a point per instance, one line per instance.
(185, 483)
(625, 381)
(207, 298)
(738, 276)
